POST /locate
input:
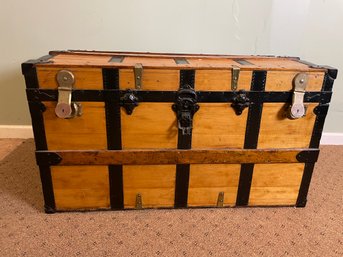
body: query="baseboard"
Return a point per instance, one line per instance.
(19, 131)
(16, 131)
(332, 139)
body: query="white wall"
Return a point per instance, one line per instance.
(29, 29)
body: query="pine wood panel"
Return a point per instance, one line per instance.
(216, 125)
(96, 59)
(207, 180)
(155, 183)
(220, 80)
(80, 187)
(277, 131)
(275, 184)
(161, 80)
(151, 125)
(85, 78)
(283, 81)
(279, 63)
(85, 132)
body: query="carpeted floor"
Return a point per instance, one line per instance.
(26, 230)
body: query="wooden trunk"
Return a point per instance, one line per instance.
(175, 130)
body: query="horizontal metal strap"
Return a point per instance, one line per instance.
(175, 156)
(34, 94)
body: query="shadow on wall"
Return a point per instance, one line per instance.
(20, 185)
(13, 104)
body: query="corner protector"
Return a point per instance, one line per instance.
(321, 109)
(30, 64)
(301, 204)
(332, 72)
(49, 209)
(306, 156)
(47, 158)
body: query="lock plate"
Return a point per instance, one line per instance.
(297, 109)
(66, 109)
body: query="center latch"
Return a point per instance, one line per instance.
(297, 109)
(185, 107)
(65, 108)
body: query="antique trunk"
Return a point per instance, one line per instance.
(123, 130)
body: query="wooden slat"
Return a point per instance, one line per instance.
(166, 61)
(177, 156)
(85, 132)
(283, 81)
(220, 80)
(151, 125)
(216, 125)
(207, 180)
(80, 187)
(162, 80)
(275, 184)
(85, 78)
(155, 183)
(278, 131)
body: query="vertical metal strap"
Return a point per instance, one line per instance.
(321, 111)
(184, 142)
(251, 138)
(113, 130)
(36, 110)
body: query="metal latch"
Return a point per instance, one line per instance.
(65, 109)
(234, 77)
(138, 204)
(220, 201)
(297, 109)
(138, 70)
(185, 107)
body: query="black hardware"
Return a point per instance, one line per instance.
(240, 102)
(129, 101)
(185, 107)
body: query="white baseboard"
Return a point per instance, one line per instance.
(332, 139)
(18, 131)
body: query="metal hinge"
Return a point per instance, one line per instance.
(297, 109)
(65, 108)
(138, 204)
(234, 77)
(220, 201)
(185, 107)
(138, 70)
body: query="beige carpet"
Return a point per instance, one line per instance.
(26, 230)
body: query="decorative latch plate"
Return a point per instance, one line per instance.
(65, 108)
(185, 107)
(129, 101)
(297, 109)
(240, 102)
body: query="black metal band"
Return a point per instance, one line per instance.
(184, 142)
(36, 111)
(28, 69)
(251, 137)
(113, 130)
(47, 187)
(321, 111)
(169, 96)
